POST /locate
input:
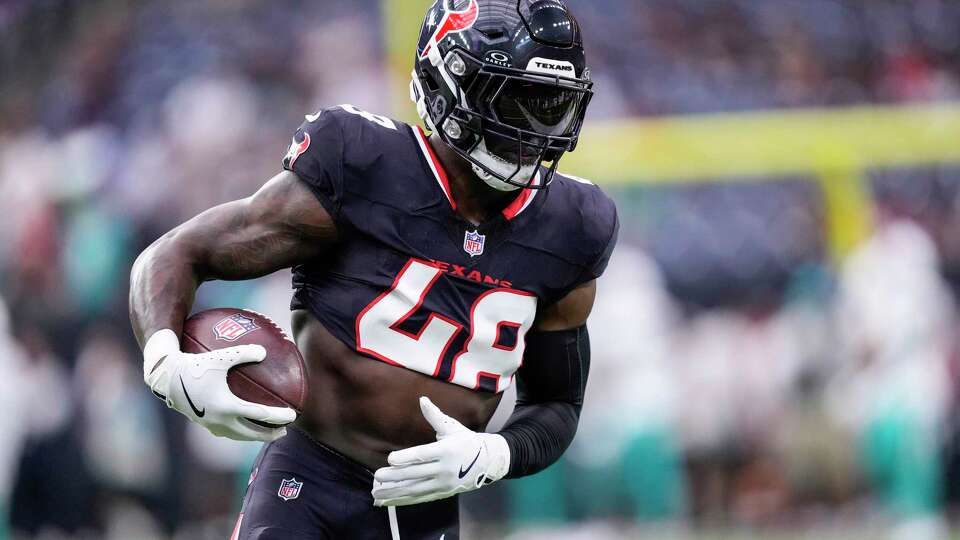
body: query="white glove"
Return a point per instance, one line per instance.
(461, 460)
(196, 385)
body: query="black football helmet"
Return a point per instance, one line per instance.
(505, 83)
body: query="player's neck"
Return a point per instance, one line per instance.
(476, 201)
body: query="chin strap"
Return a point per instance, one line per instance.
(492, 180)
(482, 156)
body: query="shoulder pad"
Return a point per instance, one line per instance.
(591, 216)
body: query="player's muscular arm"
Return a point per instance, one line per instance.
(570, 312)
(281, 225)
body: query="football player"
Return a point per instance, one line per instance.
(431, 270)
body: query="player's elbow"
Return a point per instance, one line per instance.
(141, 266)
(173, 250)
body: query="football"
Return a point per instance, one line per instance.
(278, 381)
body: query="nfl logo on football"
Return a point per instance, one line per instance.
(234, 327)
(289, 489)
(473, 243)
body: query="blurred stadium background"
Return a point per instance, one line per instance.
(776, 353)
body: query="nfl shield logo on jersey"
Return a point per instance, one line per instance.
(234, 327)
(289, 489)
(473, 243)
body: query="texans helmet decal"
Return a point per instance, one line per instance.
(452, 21)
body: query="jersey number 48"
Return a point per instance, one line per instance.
(483, 355)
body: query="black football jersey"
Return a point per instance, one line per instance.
(410, 281)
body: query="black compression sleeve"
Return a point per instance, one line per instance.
(538, 434)
(550, 387)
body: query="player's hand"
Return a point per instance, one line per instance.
(461, 460)
(196, 385)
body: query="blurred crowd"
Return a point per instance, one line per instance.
(742, 377)
(688, 56)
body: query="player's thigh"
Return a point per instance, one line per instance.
(286, 497)
(302, 489)
(428, 521)
(278, 533)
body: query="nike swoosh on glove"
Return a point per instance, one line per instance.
(461, 460)
(196, 386)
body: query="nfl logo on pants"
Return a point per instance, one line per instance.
(473, 243)
(289, 489)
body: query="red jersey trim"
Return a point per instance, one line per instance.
(435, 166)
(522, 201)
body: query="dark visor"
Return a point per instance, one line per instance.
(537, 107)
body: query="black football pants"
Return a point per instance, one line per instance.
(302, 490)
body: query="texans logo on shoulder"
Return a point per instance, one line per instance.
(296, 150)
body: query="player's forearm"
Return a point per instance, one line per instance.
(537, 434)
(220, 243)
(163, 282)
